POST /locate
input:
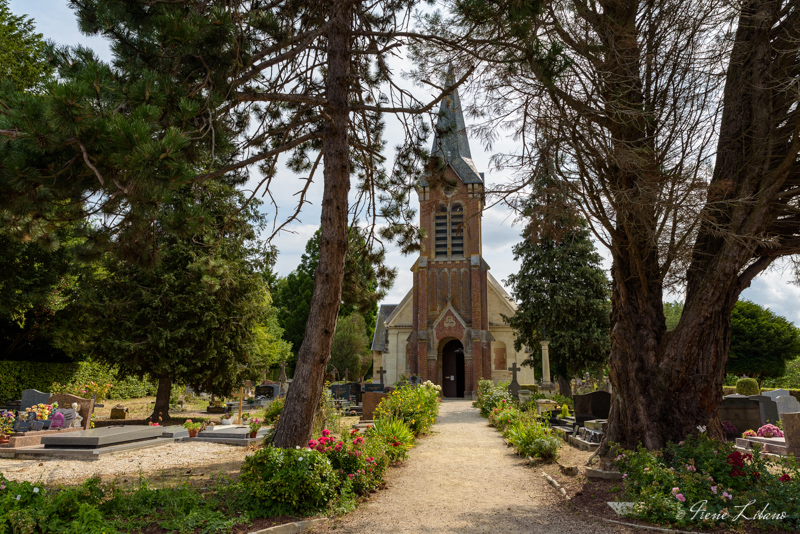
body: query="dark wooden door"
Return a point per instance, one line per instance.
(453, 369)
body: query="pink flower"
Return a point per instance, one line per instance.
(680, 497)
(350, 476)
(675, 491)
(714, 490)
(312, 443)
(726, 494)
(326, 432)
(690, 467)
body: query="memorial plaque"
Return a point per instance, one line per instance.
(32, 397)
(373, 388)
(744, 413)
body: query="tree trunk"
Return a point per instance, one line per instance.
(161, 409)
(564, 387)
(296, 422)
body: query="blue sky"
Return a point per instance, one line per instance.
(56, 22)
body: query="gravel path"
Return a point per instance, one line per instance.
(463, 478)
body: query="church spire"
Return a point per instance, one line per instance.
(450, 142)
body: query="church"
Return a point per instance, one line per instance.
(449, 328)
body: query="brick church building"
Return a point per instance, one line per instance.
(449, 327)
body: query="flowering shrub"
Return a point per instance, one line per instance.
(770, 431)
(688, 482)
(749, 434)
(254, 424)
(86, 390)
(729, 428)
(504, 416)
(289, 481)
(417, 407)
(491, 396)
(395, 434)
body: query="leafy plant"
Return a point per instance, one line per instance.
(417, 407)
(273, 411)
(747, 386)
(395, 434)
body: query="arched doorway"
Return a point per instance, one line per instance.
(453, 369)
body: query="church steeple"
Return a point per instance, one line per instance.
(450, 141)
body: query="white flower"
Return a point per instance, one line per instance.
(18, 496)
(701, 428)
(300, 459)
(297, 447)
(36, 490)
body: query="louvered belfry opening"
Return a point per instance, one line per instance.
(441, 232)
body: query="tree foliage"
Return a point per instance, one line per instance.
(194, 317)
(562, 293)
(761, 342)
(23, 58)
(350, 350)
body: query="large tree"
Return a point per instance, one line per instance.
(350, 349)
(674, 124)
(198, 316)
(762, 342)
(22, 51)
(562, 293)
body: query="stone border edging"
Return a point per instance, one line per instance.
(291, 528)
(555, 484)
(646, 527)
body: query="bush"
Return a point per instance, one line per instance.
(273, 411)
(417, 407)
(289, 481)
(505, 416)
(747, 386)
(545, 448)
(395, 434)
(18, 376)
(491, 396)
(667, 485)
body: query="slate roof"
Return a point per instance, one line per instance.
(451, 142)
(379, 338)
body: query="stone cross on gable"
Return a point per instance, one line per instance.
(513, 387)
(380, 372)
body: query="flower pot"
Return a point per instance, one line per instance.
(228, 421)
(3, 438)
(193, 433)
(253, 434)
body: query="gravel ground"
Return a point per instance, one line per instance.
(178, 460)
(463, 478)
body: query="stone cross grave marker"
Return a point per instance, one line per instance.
(380, 372)
(513, 387)
(241, 399)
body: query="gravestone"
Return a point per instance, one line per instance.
(268, 391)
(355, 392)
(69, 416)
(119, 412)
(743, 412)
(775, 393)
(791, 432)
(768, 410)
(97, 438)
(57, 421)
(85, 409)
(513, 387)
(787, 404)
(32, 397)
(597, 404)
(371, 401)
(380, 372)
(373, 388)
(340, 392)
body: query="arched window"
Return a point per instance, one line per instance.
(440, 232)
(449, 231)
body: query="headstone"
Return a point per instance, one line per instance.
(119, 412)
(373, 388)
(768, 410)
(596, 404)
(744, 413)
(85, 406)
(545, 405)
(775, 393)
(340, 392)
(371, 401)
(513, 387)
(791, 433)
(69, 416)
(414, 380)
(268, 391)
(380, 372)
(57, 421)
(787, 404)
(355, 392)
(32, 397)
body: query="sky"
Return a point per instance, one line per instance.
(56, 22)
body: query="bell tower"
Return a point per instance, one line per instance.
(450, 343)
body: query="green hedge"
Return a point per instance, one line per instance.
(18, 376)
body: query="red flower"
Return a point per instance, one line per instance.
(785, 478)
